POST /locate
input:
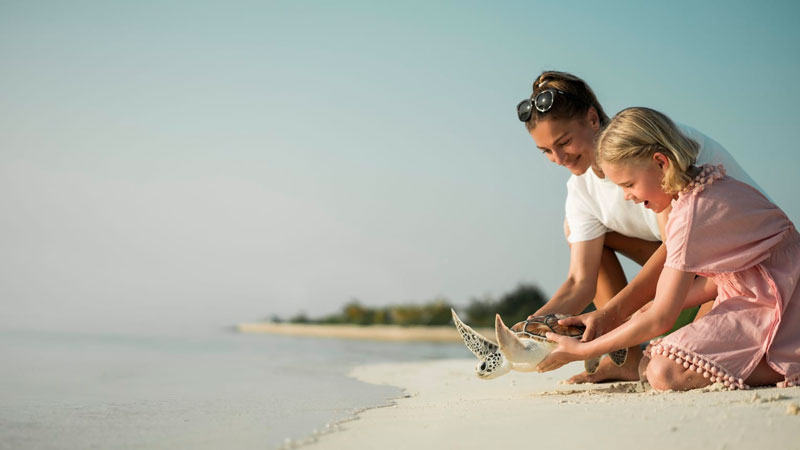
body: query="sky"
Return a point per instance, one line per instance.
(205, 163)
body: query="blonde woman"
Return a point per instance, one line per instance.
(719, 228)
(564, 118)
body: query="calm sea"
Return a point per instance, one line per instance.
(210, 389)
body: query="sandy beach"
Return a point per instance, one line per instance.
(446, 406)
(388, 333)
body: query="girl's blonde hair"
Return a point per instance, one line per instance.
(634, 135)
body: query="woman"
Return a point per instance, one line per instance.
(564, 117)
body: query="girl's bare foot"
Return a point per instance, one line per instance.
(608, 371)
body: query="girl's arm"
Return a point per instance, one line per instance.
(578, 290)
(642, 288)
(703, 289)
(673, 286)
(636, 294)
(631, 299)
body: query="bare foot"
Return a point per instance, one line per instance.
(608, 371)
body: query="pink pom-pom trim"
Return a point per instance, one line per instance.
(791, 381)
(708, 368)
(708, 175)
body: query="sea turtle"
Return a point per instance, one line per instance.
(523, 346)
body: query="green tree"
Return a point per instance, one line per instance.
(301, 317)
(436, 312)
(513, 306)
(354, 312)
(481, 311)
(406, 315)
(518, 304)
(382, 316)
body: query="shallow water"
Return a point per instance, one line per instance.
(209, 389)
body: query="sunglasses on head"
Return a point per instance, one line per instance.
(542, 101)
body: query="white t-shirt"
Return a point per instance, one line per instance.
(596, 205)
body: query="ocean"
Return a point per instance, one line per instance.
(201, 389)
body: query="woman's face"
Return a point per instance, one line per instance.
(641, 182)
(568, 142)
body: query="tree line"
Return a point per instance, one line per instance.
(512, 306)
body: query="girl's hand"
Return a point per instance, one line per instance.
(568, 350)
(597, 323)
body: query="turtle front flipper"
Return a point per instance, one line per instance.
(510, 345)
(477, 344)
(619, 357)
(591, 365)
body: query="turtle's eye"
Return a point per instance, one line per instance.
(483, 366)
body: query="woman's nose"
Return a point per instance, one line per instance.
(559, 157)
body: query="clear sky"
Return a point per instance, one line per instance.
(212, 162)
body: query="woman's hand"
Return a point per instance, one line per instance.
(597, 323)
(568, 350)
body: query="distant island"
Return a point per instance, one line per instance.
(512, 306)
(429, 322)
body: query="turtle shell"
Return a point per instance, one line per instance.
(536, 327)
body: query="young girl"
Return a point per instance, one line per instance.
(719, 228)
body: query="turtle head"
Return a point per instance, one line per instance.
(492, 363)
(494, 366)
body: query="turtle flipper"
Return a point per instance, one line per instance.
(619, 357)
(477, 344)
(510, 345)
(591, 365)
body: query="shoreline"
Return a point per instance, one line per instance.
(385, 333)
(445, 406)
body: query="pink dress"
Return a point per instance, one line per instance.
(730, 232)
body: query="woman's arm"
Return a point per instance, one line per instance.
(578, 290)
(642, 288)
(673, 286)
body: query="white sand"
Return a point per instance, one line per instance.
(392, 333)
(448, 407)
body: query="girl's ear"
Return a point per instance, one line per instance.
(661, 160)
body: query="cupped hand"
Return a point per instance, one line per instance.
(568, 350)
(597, 323)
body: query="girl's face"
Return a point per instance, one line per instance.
(641, 182)
(568, 143)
